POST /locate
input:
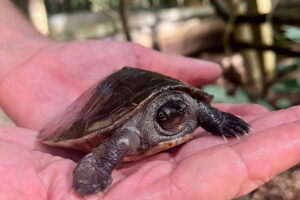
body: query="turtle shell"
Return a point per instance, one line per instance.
(107, 105)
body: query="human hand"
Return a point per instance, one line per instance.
(38, 79)
(53, 75)
(204, 168)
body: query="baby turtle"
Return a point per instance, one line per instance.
(131, 114)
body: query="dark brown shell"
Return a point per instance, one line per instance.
(107, 105)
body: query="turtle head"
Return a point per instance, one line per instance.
(170, 116)
(167, 117)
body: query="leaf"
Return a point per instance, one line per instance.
(283, 103)
(221, 96)
(292, 33)
(290, 85)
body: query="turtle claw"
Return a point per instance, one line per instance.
(225, 139)
(232, 126)
(245, 133)
(237, 136)
(221, 123)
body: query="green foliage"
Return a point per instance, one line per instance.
(78, 3)
(292, 33)
(239, 96)
(283, 103)
(221, 96)
(287, 84)
(290, 85)
(113, 4)
(66, 5)
(281, 40)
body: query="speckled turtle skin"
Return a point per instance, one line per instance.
(131, 114)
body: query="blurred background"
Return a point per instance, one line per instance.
(257, 43)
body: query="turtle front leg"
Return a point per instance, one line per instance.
(93, 172)
(220, 123)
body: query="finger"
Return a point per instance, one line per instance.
(19, 179)
(198, 174)
(268, 153)
(193, 71)
(275, 118)
(268, 120)
(249, 164)
(28, 139)
(56, 176)
(21, 136)
(242, 109)
(31, 174)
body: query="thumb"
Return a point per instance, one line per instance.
(193, 71)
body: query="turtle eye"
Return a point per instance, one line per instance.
(162, 116)
(170, 115)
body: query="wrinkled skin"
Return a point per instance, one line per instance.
(36, 85)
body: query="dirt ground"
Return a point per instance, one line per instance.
(285, 186)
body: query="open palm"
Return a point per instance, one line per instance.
(206, 167)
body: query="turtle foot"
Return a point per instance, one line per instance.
(232, 126)
(221, 123)
(88, 178)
